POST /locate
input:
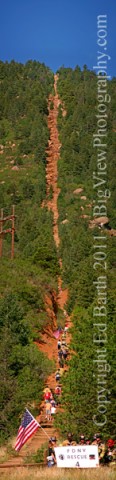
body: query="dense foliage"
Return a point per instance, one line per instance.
(23, 368)
(78, 93)
(32, 274)
(25, 281)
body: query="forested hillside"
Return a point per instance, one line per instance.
(32, 275)
(78, 92)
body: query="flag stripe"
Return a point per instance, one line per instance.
(29, 435)
(28, 426)
(29, 430)
(25, 434)
(20, 432)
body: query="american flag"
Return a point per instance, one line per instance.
(56, 334)
(28, 426)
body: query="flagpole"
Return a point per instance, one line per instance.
(38, 424)
(44, 432)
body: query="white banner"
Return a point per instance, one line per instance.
(79, 456)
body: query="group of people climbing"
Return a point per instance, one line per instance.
(52, 398)
(63, 350)
(106, 451)
(50, 403)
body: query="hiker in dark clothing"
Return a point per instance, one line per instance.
(51, 460)
(57, 375)
(61, 362)
(60, 353)
(65, 353)
(60, 358)
(59, 344)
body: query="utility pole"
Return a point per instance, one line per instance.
(13, 230)
(1, 230)
(8, 230)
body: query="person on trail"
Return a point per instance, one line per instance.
(63, 336)
(46, 389)
(53, 410)
(60, 353)
(48, 411)
(67, 348)
(82, 440)
(64, 353)
(51, 460)
(60, 358)
(101, 446)
(110, 453)
(47, 396)
(94, 441)
(61, 371)
(53, 403)
(87, 441)
(59, 344)
(110, 443)
(57, 375)
(69, 441)
(61, 362)
(51, 396)
(63, 344)
(58, 390)
(53, 440)
(66, 328)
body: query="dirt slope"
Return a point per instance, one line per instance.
(53, 152)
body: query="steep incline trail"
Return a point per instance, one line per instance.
(52, 160)
(53, 153)
(49, 343)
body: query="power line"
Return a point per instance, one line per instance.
(8, 230)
